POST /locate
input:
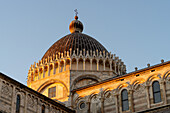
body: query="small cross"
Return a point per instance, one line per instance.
(76, 12)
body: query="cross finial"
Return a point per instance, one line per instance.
(76, 12)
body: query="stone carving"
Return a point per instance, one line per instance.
(30, 103)
(6, 90)
(95, 104)
(140, 89)
(108, 97)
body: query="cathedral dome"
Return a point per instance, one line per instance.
(76, 41)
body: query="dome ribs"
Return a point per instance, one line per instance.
(68, 43)
(71, 44)
(87, 46)
(83, 43)
(64, 42)
(75, 41)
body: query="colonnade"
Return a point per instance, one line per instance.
(85, 62)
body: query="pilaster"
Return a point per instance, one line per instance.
(25, 103)
(116, 103)
(84, 64)
(97, 64)
(90, 64)
(77, 63)
(110, 65)
(164, 92)
(64, 65)
(13, 100)
(147, 96)
(131, 101)
(104, 68)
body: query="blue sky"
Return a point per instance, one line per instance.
(138, 31)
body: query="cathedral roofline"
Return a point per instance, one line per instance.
(25, 88)
(122, 76)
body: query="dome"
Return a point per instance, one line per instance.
(75, 41)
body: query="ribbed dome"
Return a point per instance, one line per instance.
(74, 41)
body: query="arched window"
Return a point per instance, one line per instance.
(124, 99)
(18, 104)
(156, 92)
(43, 109)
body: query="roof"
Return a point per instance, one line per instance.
(76, 42)
(121, 76)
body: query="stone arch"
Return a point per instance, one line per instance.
(22, 96)
(77, 100)
(107, 65)
(36, 75)
(85, 77)
(123, 86)
(139, 93)
(67, 64)
(106, 91)
(45, 74)
(87, 64)
(136, 82)
(74, 64)
(40, 72)
(62, 63)
(153, 77)
(91, 96)
(94, 64)
(166, 78)
(166, 75)
(49, 82)
(95, 103)
(80, 61)
(113, 65)
(51, 69)
(50, 66)
(101, 64)
(56, 67)
(109, 100)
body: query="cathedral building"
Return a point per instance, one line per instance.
(18, 98)
(78, 74)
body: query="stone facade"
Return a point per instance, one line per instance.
(105, 97)
(30, 100)
(73, 71)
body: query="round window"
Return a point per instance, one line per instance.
(82, 105)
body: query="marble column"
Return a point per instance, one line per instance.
(84, 65)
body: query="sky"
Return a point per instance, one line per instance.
(138, 31)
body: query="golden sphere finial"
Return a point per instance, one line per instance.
(76, 25)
